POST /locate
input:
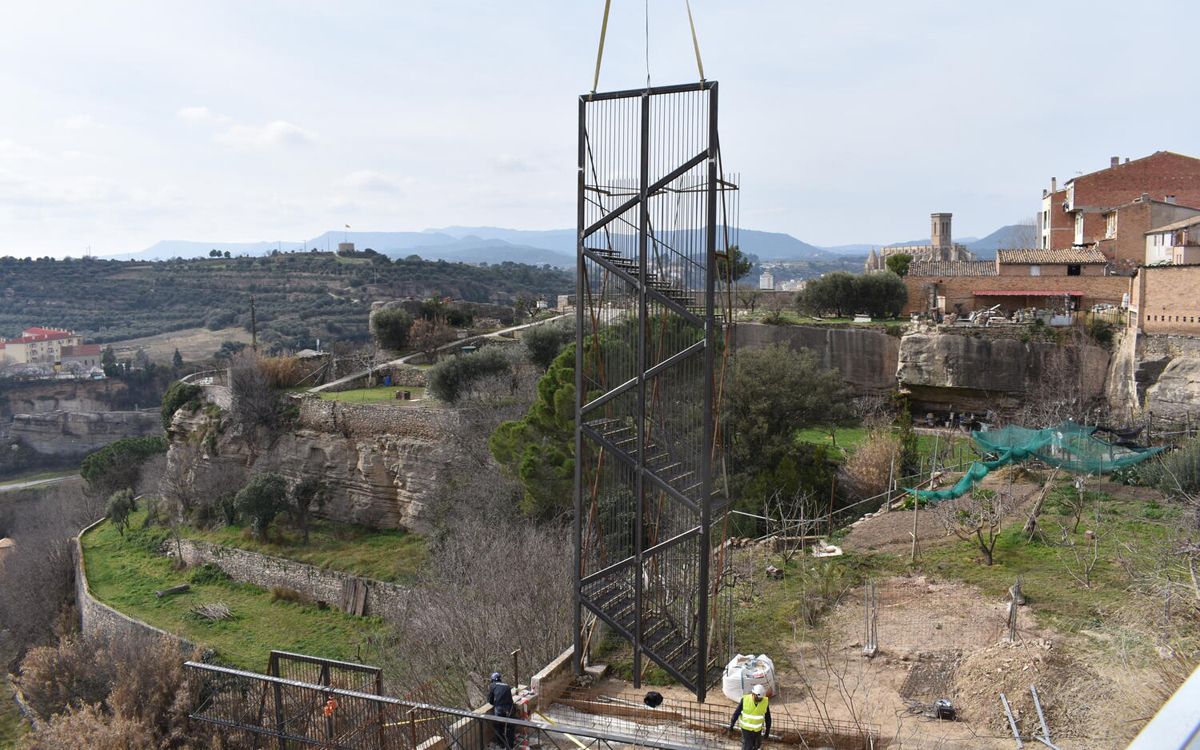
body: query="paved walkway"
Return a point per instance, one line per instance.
(502, 333)
(14, 486)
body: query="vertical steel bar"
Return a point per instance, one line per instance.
(707, 440)
(643, 324)
(581, 267)
(1012, 723)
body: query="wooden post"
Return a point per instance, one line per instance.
(887, 503)
(916, 509)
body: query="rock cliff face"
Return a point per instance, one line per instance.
(951, 372)
(66, 434)
(866, 357)
(38, 397)
(381, 462)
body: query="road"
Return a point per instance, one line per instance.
(502, 333)
(14, 486)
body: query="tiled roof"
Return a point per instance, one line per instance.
(1181, 224)
(1050, 257)
(952, 268)
(83, 350)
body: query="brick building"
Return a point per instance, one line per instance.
(1015, 279)
(37, 346)
(1163, 299)
(1125, 228)
(1085, 212)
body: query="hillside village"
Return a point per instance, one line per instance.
(655, 481)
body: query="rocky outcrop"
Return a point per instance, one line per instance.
(969, 373)
(381, 462)
(866, 357)
(63, 433)
(42, 396)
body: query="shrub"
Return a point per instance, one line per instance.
(68, 673)
(284, 594)
(876, 459)
(544, 342)
(390, 327)
(263, 498)
(120, 505)
(179, 394)
(451, 378)
(208, 573)
(282, 372)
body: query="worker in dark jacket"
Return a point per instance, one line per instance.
(500, 696)
(753, 717)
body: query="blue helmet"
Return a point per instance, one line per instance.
(495, 677)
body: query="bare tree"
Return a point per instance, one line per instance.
(1082, 561)
(748, 298)
(975, 517)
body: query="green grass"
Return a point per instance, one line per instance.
(12, 727)
(125, 572)
(1056, 598)
(378, 395)
(846, 439)
(386, 555)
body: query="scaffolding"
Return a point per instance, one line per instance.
(657, 230)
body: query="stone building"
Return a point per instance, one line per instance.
(941, 247)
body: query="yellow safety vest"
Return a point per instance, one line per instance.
(754, 715)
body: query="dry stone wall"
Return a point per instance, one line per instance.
(384, 600)
(98, 621)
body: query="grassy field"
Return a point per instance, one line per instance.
(12, 728)
(1128, 530)
(380, 395)
(193, 344)
(846, 439)
(386, 555)
(124, 572)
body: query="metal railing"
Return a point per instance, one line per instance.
(284, 714)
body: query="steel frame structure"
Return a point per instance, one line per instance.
(650, 361)
(278, 713)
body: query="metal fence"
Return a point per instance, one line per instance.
(264, 711)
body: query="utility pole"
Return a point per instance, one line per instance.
(253, 327)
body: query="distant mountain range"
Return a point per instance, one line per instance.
(555, 247)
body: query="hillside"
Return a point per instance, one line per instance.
(299, 297)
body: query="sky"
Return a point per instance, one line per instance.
(125, 123)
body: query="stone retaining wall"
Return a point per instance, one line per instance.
(387, 601)
(98, 621)
(369, 420)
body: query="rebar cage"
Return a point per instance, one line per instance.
(651, 353)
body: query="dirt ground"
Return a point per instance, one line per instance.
(193, 344)
(891, 531)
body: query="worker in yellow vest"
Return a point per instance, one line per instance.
(753, 717)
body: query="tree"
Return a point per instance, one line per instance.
(177, 360)
(834, 292)
(544, 342)
(539, 449)
(228, 254)
(308, 492)
(108, 362)
(214, 253)
(776, 391)
(748, 298)
(427, 336)
(452, 377)
(742, 265)
(390, 327)
(117, 465)
(264, 497)
(179, 394)
(880, 294)
(975, 517)
(256, 406)
(120, 505)
(899, 263)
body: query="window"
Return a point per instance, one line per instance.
(1035, 270)
(1110, 225)
(1074, 270)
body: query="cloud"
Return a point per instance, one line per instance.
(512, 164)
(78, 122)
(202, 115)
(365, 179)
(276, 134)
(10, 149)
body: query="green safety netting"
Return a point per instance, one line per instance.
(1068, 446)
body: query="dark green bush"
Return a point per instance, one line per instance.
(451, 378)
(178, 395)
